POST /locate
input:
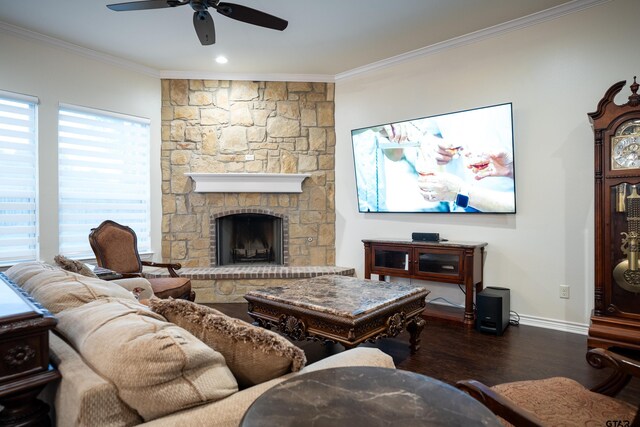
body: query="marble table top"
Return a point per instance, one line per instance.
(366, 396)
(344, 296)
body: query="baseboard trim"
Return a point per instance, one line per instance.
(538, 322)
(558, 325)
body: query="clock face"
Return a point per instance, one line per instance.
(625, 153)
(625, 146)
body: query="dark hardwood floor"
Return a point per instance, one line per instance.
(451, 353)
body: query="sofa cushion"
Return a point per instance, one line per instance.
(59, 290)
(157, 367)
(253, 354)
(138, 286)
(228, 412)
(42, 278)
(23, 271)
(74, 266)
(83, 397)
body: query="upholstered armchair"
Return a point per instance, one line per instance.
(563, 401)
(116, 248)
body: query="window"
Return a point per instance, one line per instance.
(103, 168)
(18, 179)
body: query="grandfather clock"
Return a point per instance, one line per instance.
(615, 321)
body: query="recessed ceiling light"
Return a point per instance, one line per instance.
(221, 60)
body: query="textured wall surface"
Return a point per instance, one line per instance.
(244, 126)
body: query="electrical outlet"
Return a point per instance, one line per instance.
(249, 157)
(564, 291)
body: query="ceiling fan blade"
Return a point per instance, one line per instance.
(203, 23)
(142, 5)
(250, 16)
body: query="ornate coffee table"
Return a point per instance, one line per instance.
(340, 309)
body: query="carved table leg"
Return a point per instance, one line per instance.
(415, 326)
(24, 409)
(260, 322)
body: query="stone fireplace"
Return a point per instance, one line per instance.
(247, 127)
(243, 127)
(249, 237)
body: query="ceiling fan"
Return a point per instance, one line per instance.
(202, 20)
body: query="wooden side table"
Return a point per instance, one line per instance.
(24, 357)
(106, 274)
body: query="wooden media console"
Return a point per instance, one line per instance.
(446, 262)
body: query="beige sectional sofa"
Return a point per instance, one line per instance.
(123, 363)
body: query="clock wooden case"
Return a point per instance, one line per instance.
(615, 321)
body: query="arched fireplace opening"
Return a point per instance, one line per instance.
(249, 239)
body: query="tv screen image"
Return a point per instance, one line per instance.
(455, 162)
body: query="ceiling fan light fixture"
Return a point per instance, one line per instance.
(221, 59)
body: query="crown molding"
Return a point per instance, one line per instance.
(204, 75)
(79, 50)
(496, 30)
(476, 36)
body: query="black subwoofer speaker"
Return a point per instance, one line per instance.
(492, 310)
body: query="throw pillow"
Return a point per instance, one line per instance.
(74, 266)
(157, 367)
(21, 272)
(43, 278)
(253, 354)
(59, 290)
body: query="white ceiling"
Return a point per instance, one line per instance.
(324, 37)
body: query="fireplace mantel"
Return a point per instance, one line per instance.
(247, 182)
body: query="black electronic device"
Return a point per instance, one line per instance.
(394, 162)
(425, 237)
(493, 308)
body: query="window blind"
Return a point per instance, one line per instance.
(103, 168)
(18, 179)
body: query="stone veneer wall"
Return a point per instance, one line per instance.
(213, 126)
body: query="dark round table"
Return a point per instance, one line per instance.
(366, 396)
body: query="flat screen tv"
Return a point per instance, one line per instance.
(458, 162)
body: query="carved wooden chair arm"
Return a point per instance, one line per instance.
(499, 405)
(170, 267)
(624, 369)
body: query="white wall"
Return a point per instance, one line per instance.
(56, 75)
(554, 73)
